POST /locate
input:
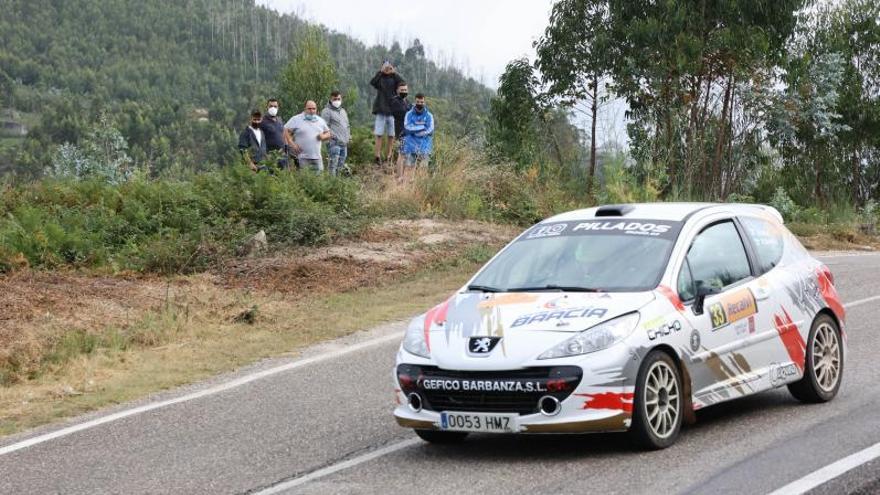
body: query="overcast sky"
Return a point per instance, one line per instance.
(482, 35)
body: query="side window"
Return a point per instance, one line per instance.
(768, 240)
(717, 257)
(686, 290)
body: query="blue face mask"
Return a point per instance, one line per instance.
(311, 118)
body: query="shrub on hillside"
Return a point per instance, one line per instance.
(169, 225)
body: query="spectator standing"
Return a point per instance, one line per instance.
(385, 81)
(419, 140)
(272, 126)
(305, 132)
(252, 143)
(399, 106)
(340, 135)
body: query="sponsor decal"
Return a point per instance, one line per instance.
(549, 230)
(791, 338)
(732, 308)
(745, 327)
(782, 373)
(482, 346)
(695, 340)
(664, 330)
(507, 299)
(566, 302)
(559, 315)
(638, 227)
(609, 400)
(455, 384)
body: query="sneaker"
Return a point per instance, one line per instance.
(378, 161)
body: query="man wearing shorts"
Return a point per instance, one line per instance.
(385, 81)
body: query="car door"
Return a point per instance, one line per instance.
(721, 359)
(792, 298)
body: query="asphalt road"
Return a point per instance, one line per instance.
(325, 426)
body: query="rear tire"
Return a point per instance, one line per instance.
(442, 437)
(658, 404)
(823, 369)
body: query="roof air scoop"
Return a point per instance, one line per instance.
(613, 210)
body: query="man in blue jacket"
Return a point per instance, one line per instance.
(419, 140)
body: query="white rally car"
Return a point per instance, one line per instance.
(624, 318)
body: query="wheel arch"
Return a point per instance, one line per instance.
(688, 415)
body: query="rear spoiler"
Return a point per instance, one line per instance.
(771, 210)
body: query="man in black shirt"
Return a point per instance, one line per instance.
(385, 81)
(399, 106)
(252, 143)
(273, 129)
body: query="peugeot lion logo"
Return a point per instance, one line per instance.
(482, 346)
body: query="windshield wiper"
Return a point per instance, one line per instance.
(561, 288)
(484, 288)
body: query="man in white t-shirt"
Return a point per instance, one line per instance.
(307, 130)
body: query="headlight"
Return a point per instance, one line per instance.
(414, 340)
(594, 339)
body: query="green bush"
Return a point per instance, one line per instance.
(169, 225)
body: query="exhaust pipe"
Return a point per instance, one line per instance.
(415, 402)
(549, 405)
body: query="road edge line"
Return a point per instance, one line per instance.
(859, 302)
(197, 395)
(340, 466)
(829, 472)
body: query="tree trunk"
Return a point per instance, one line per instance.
(720, 138)
(594, 113)
(856, 178)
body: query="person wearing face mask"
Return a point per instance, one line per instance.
(385, 81)
(340, 134)
(399, 106)
(306, 131)
(272, 126)
(419, 140)
(252, 143)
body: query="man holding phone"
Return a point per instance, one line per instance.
(386, 82)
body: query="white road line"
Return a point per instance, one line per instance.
(394, 447)
(861, 301)
(197, 395)
(829, 472)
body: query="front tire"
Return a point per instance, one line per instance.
(823, 369)
(658, 404)
(442, 437)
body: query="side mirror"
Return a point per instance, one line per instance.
(703, 290)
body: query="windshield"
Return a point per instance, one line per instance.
(609, 256)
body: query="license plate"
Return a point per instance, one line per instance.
(483, 422)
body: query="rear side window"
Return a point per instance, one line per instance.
(767, 239)
(717, 258)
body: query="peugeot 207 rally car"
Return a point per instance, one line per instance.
(624, 318)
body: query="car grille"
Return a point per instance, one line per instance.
(557, 381)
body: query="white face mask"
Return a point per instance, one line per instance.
(336, 103)
(273, 111)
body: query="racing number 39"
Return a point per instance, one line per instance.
(719, 317)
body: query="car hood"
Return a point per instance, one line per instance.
(528, 323)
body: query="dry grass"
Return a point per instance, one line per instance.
(837, 237)
(73, 343)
